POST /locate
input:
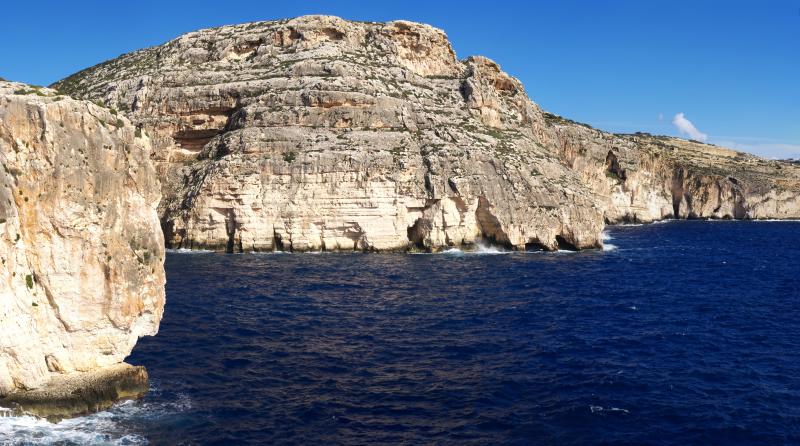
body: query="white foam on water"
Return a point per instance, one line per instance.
(609, 247)
(453, 252)
(598, 409)
(566, 251)
(605, 236)
(268, 253)
(96, 429)
(482, 248)
(107, 428)
(188, 251)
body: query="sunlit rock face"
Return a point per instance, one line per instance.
(317, 133)
(645, 178)
(81, 254)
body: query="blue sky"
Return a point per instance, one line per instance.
(731, 68)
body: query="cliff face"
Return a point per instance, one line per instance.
(319, 133)
(644, 178)
(81, 272)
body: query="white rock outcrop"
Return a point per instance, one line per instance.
(81, 254)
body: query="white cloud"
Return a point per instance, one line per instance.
(686, 127)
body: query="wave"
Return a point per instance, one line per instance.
(188, 251)
(479, 248)
(452, 252)
(114, 426)
(609, 247)
(97, 429)
(483, 248)
(599, 409)
(606, 236)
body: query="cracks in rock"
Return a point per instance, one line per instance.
(419, 232)
(490, 227)
(739, 205)
(613, 168)
(564, 244)
(193, 139)
(357, 235)
(277, 241)
(231, 227)
(677, 191)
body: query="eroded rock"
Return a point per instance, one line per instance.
(645, 178)
(326, 134)
(317, 133)
(81, 272)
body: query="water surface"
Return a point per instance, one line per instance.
(686, 333)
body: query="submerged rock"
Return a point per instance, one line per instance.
(81, 254)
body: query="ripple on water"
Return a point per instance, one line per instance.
(673, 331)
(124, 424)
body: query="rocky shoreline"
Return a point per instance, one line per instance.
(66, 396)
(321, 134)
(81, 253)
(307, 134)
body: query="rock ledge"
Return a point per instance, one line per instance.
(76, 394)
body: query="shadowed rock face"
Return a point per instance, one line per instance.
(318, 133)
(81, 254)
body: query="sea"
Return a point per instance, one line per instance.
(679, 333)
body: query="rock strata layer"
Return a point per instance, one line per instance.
(317, 133)
(81, 253)
(645, 178)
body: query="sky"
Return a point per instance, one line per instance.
(726, 72)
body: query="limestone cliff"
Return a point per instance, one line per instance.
(644, 178)
(319, 133)
(81, 272)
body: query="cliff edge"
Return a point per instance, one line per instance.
(318, 133)
(81, 272)
(321, 134)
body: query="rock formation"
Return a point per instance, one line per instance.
(318, 133)
(644, 178)
(81, 272)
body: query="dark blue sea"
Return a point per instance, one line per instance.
(682, 333)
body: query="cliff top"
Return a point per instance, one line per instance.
(297, 47)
